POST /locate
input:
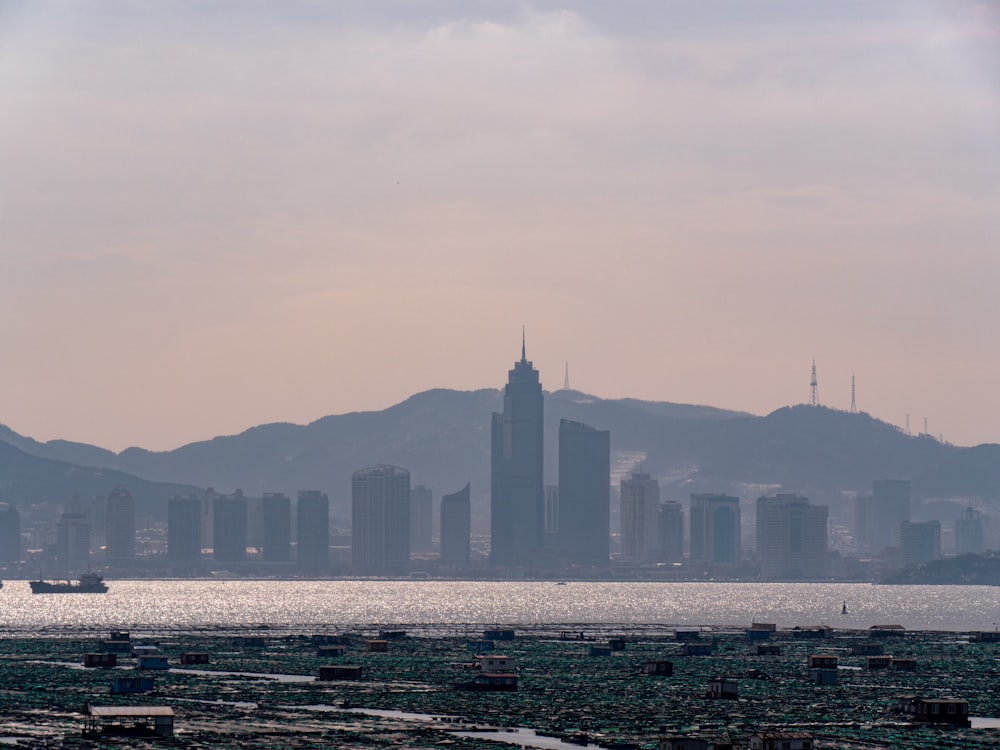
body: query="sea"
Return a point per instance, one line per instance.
(465, 606)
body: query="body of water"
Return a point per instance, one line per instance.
(290, 605)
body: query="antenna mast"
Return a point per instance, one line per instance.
(907, 423)
(854, 402)
(814, 387)
(566, 381)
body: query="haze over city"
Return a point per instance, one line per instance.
(219, 215)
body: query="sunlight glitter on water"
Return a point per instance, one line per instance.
(288, 604)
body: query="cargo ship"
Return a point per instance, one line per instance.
(89, 583)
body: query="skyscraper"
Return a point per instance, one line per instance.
(517, 496)
(312, 523)
(380, 520)
(640, 509)
(890, 507)
(671, 531)
(120, 525)
(73, 536)
(421, 519)
(791, 538)
(277, 531)
(584, 493)
(456, 519)
(184, 529)
(715, 528)
(229, 527)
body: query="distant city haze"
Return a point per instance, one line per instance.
(219, 215)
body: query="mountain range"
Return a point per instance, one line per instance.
(443, 438)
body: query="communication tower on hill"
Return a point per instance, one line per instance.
(566, 381)
(854, 402)
(814, 387)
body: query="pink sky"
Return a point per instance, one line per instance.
(217, 215)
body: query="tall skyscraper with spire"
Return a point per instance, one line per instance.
(517, 493)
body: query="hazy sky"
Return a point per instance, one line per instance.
(219, 214)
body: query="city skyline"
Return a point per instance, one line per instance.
(205, 207)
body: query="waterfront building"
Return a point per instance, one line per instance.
(671, 528)
(551, 524)
(10, 533)
(421, 519)
(715, 528)
(229, 527)
(792, 539)
(380, 520)
(890, 506)
(919, 542)
(517, 496)
(120, 525)
(184, 529)
(584, 506)
(862, 507)
(456, 522)
(639, 514)
(969, 533)
(312, 531)
(277, 531)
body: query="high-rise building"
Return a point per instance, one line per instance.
(380, 520)
(671, 526)
(73, 540)
(919, 542)
(969, 533)
(277, 531)
(862, 518)
(890, 507)
(120, 525)
(551, 523)
(229, 527)
(517, 495)
(10, 533)
(792, 538)
(421, 519)
(184, 529)
(584, 493)
(639, 515)
(456, 520)
(312, 523)
(715, 528)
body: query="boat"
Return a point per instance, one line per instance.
(843, 609)
(88, 583)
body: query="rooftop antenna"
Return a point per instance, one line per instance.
(854, 402)
(814, 387)
(566, 381)
(524, 357)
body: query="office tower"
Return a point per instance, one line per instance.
(10, 533)
(517, 497)
(919, 543)
(671, 527)
(120, 525)
(229, 527)
(551, 522)
(890, 507)
(456, 526)
(640, 513)
(715, 528)
(183, 529)
(969, 533)
(421, 519)
(791, 538)
(277, 531)
(380, 520)
(312, 523)
(73, 537)
(584, 493)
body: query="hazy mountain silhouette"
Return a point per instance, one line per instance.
(443, 438)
